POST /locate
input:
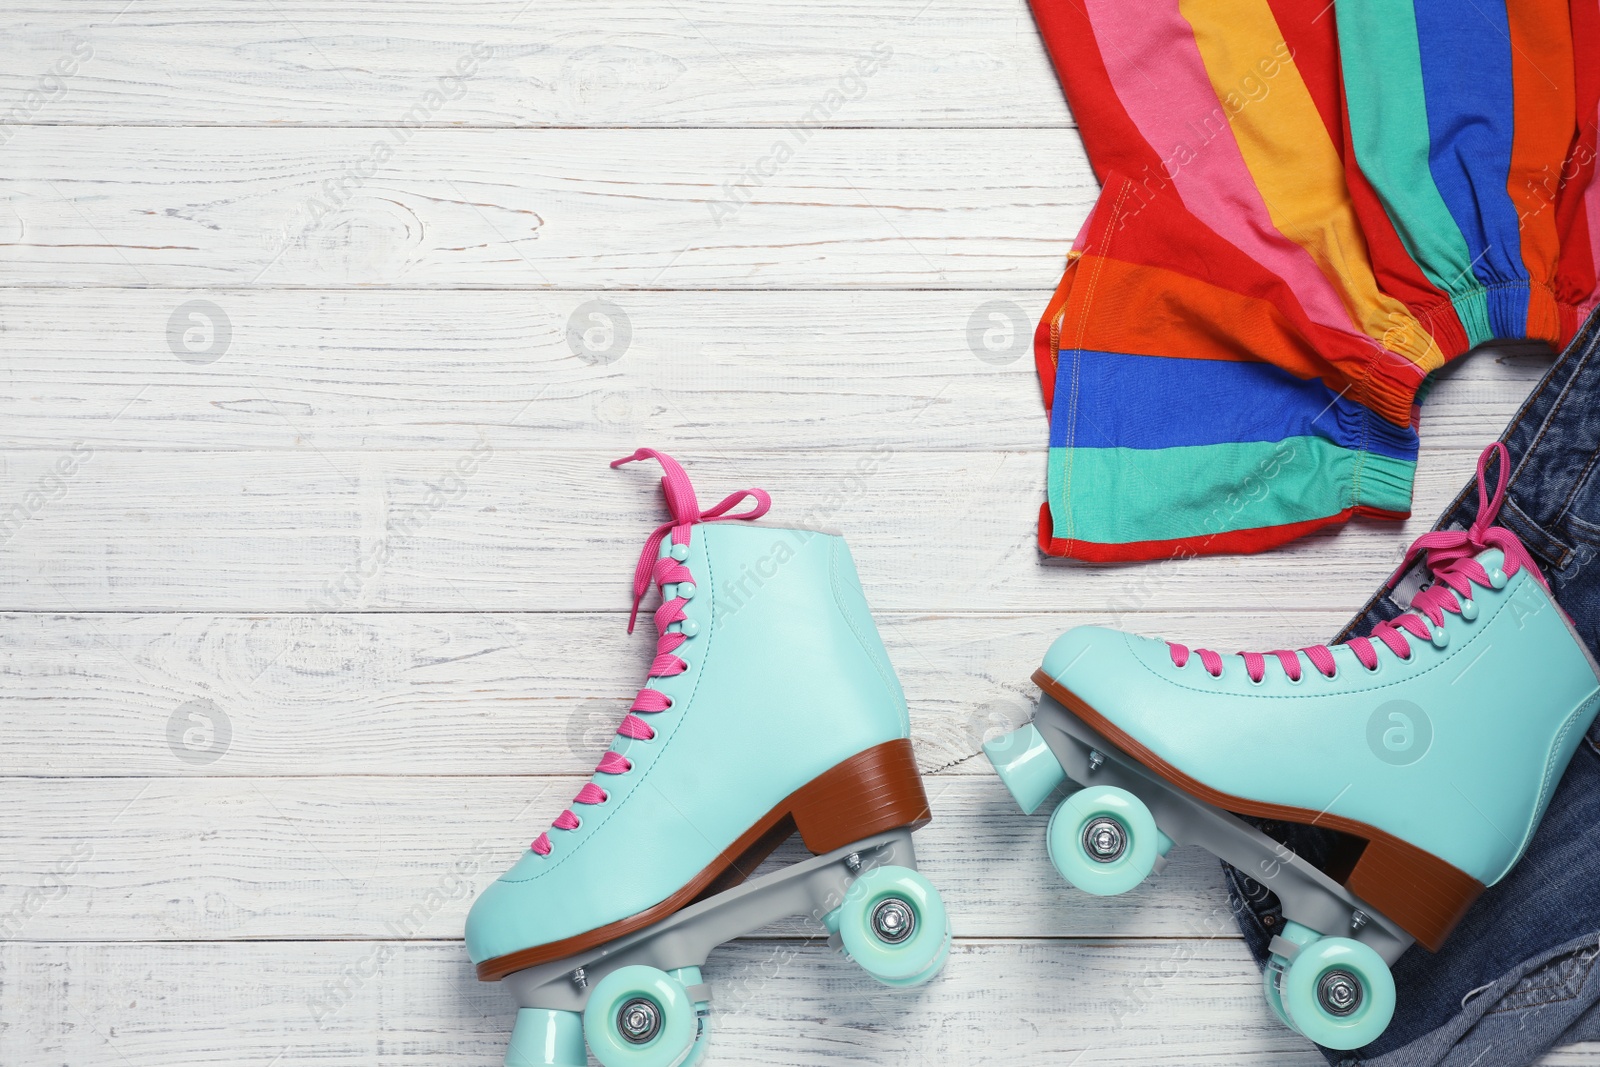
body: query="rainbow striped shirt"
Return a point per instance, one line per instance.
(1304, 212)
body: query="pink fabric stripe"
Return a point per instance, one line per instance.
(1215, 185)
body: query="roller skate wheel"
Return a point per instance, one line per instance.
(893, 924)
(1103, 840)
(1271, 989)
(640, 1017)
(1339, 993)
(1026, 765)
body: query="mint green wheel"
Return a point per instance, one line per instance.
(1270, 989)
(1339, 993)
(1103, 840)
(640, 1017)
(690, 977)
(894, 925)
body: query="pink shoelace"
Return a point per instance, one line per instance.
(1451, 560)
(662, 571)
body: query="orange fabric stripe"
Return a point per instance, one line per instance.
(1542, 85)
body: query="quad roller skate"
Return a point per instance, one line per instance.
(1434, 743)
(770, 709)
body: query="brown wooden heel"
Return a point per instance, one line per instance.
(1420, 893)
(873, 791)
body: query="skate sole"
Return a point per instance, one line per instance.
(870, 793)
(813, 887)
(1416, 891)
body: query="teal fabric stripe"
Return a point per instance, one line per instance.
(1382, 63)
(1119, 495)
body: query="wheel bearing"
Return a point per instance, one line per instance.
(639, 1021)
(893, 921)
(1104, 839)
(1339, 993)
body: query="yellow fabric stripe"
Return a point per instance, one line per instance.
(1294, 164)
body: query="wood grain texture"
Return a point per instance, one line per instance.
(789, 1004)
(375, 858)
(487, 530)
(110, 695)
(378, 370)
(541, 209)
(602, 63)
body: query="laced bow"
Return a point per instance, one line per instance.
(685, 509)
(1449, 555)
(661, 570)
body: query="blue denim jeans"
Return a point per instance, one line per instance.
(1521, 974)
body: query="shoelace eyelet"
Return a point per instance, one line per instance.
(679, 552)
(1498, 579)
(1469, 610)
(1331, 677)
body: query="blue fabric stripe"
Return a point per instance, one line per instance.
(1127, 401)
(1466, 77)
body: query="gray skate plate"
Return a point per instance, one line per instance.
(1309, 897)
(812, 887)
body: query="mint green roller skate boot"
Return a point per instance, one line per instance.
(770, 710)
(1434, 742)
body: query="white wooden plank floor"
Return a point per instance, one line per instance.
(268, 278)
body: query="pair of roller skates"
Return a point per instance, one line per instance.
(771, 709)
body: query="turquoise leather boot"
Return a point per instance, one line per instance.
(771, 709)
(1434, 743)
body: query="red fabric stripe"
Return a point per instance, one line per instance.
(1576, 280)
(1236, 542)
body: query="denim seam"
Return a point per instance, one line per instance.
(1585, 352)
(1558, 991)
(1533, 534)
(1582, 530)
